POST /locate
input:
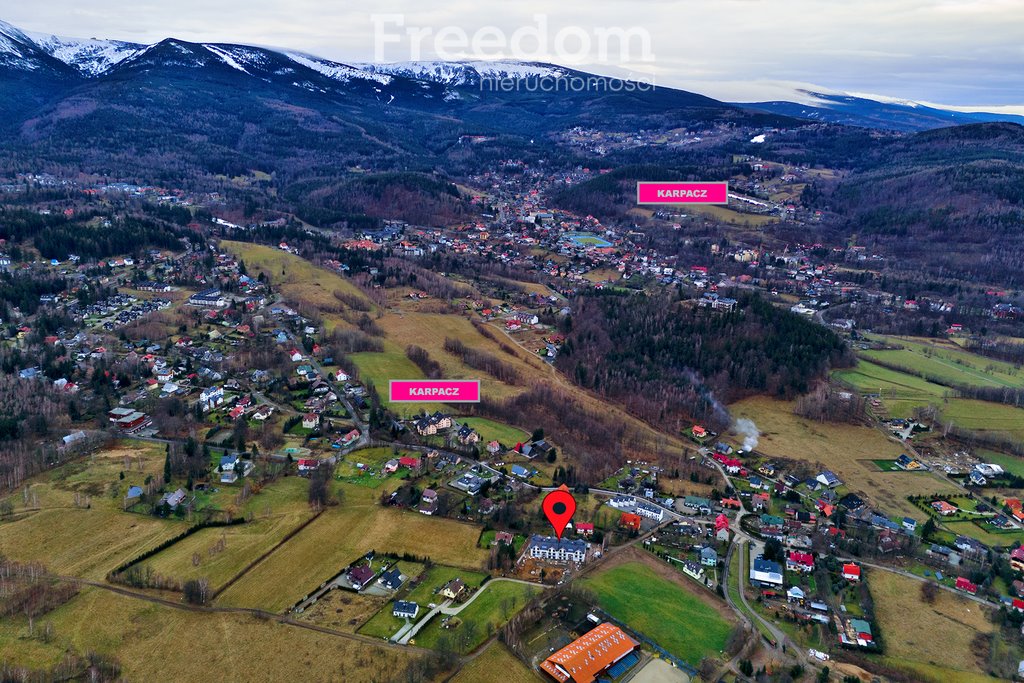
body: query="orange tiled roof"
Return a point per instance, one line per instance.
(582, 659)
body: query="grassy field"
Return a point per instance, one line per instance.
(498, 603)
(902, 393)
(343, 610)
(300, 281)
(490, 430)
(277, 510)
(381, 368)
(429, 330)
(151, 640)
(991, 538)
(947, 362)
(342, 534)
(496, 664)
(934, 642)
(847, 450)
(670, 615)
(86, 541)
(1010, 463)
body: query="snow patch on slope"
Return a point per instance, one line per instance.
(226, 57)
(464, 72)
(91, 57)
(342, 73)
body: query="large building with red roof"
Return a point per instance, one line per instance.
(582, 660)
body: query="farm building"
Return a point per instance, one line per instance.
(590, 655)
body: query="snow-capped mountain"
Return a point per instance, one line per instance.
(91, 57)
(873, 111)
(465, 72)
(43, 58)
(19, 52)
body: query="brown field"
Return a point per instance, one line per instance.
(277, 511)
(496, 664)
(157, 642)
(86, 541)
(845, 449)
(934, 641)
(343, 610)
(430, 330)
(342, 534)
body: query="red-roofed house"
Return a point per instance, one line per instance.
(585, 528)
(964, 584)
(1017, 559)
(410, 462)
(630, 521)
(851, 572)
(800, 562)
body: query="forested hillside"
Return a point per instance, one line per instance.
(662, 357)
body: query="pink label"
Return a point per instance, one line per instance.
(434, 390)
(682, 193)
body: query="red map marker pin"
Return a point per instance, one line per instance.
(559, 506)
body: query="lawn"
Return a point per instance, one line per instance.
(496, 664)
(384, 624)
(847, 450)
(151, 640)
(670, 615)
(342, 534)
(933, 642)
(498, 603)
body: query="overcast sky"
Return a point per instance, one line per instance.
(956, 52)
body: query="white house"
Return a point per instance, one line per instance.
(551, 548)
(211, 398)
(650, 511)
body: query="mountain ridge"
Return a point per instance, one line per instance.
(95, 58)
